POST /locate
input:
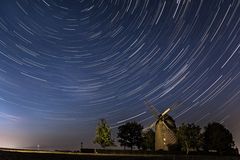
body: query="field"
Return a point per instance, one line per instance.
(47, 155)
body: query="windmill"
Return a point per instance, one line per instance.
(164, 127)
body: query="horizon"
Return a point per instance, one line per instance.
(66, 64)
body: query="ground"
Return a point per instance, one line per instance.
(8, 154)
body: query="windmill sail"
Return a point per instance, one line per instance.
(165, 112)
(152, 109)
(152, 127)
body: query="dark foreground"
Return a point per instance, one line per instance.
(35, 155)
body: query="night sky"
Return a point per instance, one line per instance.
(64, 64)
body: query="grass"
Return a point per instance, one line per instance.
(15, 154)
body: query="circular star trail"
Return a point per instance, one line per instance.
(65, 64)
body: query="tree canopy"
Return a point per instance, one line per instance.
(149, 140)
(130, 134)
(103, 134)
(217, 137)
(189, 137)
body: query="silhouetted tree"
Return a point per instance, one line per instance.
(103, 134)
(217, 137)
(189, 137)
(149, 140)
(130, 134)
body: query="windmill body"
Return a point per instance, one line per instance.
(164, 136)
(164, 129)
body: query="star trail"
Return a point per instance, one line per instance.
(66, 64)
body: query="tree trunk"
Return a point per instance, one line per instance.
(187, 148)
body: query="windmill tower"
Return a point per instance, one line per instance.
(164, 128)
